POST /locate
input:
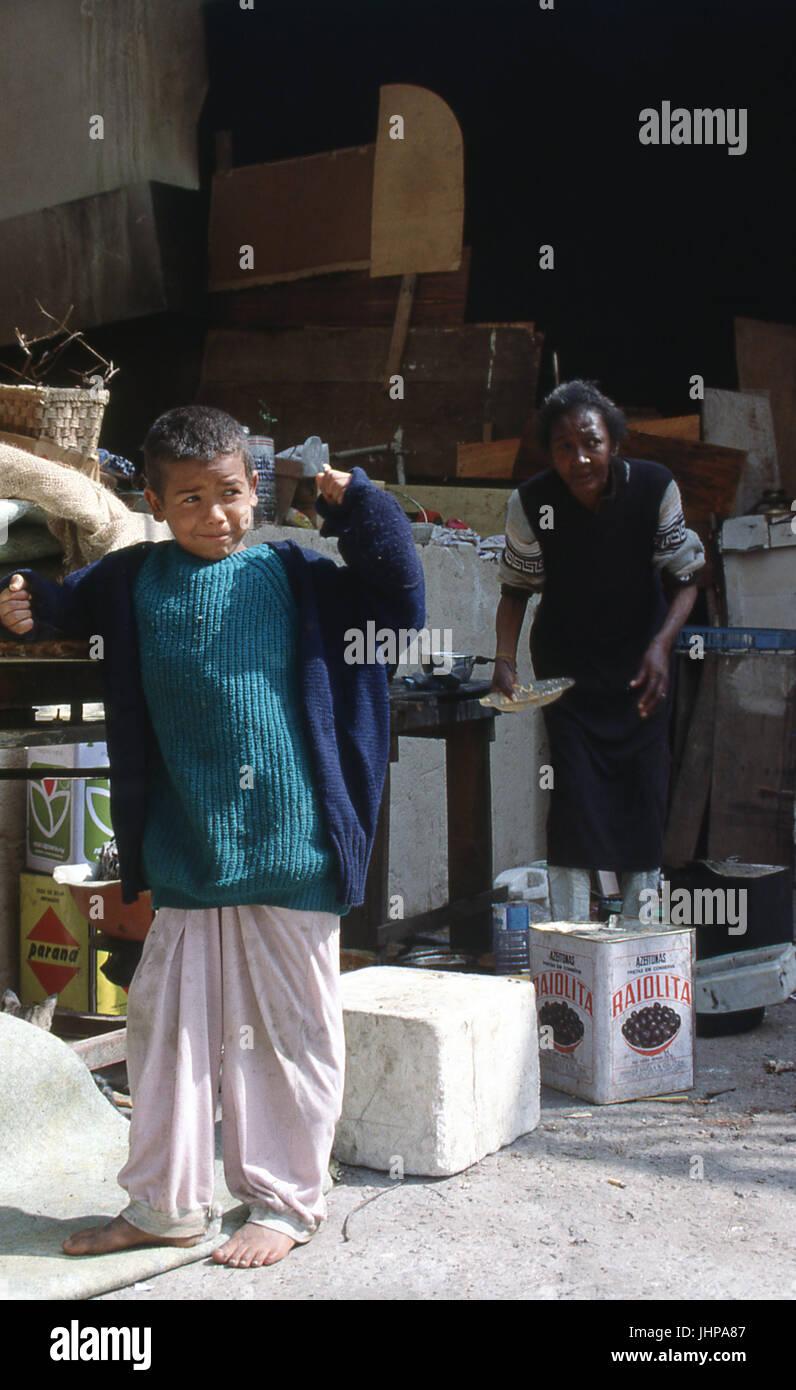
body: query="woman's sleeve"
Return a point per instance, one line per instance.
(677, 552)
(521, 565)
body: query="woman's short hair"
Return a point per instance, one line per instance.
(192, 432)
(570, 395)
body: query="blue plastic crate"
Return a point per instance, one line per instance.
(740, 639)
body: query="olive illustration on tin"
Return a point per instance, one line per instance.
(651, 1030)
(566, 1024)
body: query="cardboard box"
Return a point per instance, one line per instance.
(54, 952)
(68, 820)
(615, 1009)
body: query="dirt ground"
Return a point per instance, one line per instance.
(649, 1200)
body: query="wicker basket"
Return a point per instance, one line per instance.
(70, 416)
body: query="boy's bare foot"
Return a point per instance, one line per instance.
(119, 1235)
(252, 1246)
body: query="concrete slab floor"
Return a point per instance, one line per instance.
(648, 1200)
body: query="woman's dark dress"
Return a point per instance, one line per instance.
(602, 603)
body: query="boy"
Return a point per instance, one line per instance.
(247, 763)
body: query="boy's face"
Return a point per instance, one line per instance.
(208, 506)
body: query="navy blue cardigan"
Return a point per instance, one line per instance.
(346, 706)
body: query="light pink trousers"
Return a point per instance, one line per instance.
(264, 983)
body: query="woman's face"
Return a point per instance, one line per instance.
(580, 450)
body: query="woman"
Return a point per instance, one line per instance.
(597, 534)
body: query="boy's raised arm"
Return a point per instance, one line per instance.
(375, 540)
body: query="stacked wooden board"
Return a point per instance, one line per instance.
(328, 381)
(338, 296)
(733, 759)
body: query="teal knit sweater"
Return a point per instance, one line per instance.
(233, 815)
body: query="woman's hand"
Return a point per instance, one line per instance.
(504, 678)
(15, 611)
(653, 677)
(332, 483)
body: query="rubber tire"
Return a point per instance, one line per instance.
(724, 1025)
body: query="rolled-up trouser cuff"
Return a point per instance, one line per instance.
(161, 1223)
(285, 1225)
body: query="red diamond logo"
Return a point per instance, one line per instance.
(50, 928)
(53, 978)
(52, 975)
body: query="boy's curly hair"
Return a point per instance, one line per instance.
(192, 432)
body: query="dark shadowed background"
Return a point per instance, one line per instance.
(656, 247)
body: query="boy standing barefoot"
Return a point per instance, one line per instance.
(247, 762)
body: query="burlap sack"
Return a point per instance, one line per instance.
(84, 516)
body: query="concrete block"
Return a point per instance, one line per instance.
(441, 1068)
(782, 533)
(745, 533)
(761, 588)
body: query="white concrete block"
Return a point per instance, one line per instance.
(761, 588)
(745, 533)
(782, 533)
(441, 1068)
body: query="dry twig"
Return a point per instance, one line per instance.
(37, 367)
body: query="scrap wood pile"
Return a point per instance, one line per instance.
(348, 313)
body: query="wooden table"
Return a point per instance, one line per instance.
(467, 728)
(47, 673)
(50, 673)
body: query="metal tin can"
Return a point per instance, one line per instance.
(615, 1009)
(262, 451)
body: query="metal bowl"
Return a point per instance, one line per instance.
(453, 668)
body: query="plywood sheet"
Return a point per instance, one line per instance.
(689, 794)
(344, 299)
(707, 474)
(302, 217)
(766, 357)
(743, 420)
(495, 459)
(418, 184)
(672, 426)
(751, 804)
